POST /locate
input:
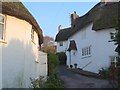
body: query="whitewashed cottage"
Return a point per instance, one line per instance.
(20, 42)
(87, 43)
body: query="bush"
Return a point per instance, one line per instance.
(105, 73)
(53, 62)
(62, 58)
(53, 80)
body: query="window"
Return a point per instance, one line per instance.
(86, 51)
(2, 27)
(112, 35)
(32, 34)
(114, 60)
(61, 43)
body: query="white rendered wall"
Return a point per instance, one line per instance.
(62, 48)
(101, 49)
(19, 54)
(43, 64)
(0, 66)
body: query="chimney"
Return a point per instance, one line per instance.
(59, 27)
(74, 16)
(105, 2)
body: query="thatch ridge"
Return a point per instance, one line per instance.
(102, 17)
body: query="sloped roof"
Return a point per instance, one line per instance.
(63, 34)
(18, 10)
(102, 17)
(72, 45)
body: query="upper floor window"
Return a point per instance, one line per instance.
(61, 43)
(32, 34)
(86, 51)
(2, 27)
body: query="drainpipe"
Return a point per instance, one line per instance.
(70, 57)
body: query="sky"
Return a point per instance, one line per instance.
(50, 15)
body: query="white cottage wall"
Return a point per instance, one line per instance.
(62, 48)
(43, 64)
(20, 54)
(101, 49)
(0, 66)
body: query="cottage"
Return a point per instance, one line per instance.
(87, 43)
(20, 42)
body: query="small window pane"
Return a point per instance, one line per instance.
(1, 31)
(61, 43)
(1, 19)
(86, 51)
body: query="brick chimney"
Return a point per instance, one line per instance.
(59, 27)
(74, 16)
(108, 1)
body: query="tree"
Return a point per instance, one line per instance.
(117, 42)
(48, 45)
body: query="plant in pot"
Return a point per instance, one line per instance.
(75, 65)
(71, 66)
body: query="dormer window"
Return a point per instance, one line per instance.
(2, 27)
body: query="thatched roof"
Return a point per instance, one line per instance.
(102, 17)
(72, 45)
(18, 10)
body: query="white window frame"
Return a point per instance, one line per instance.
(113, 59)
(3, 33)
(86, 51)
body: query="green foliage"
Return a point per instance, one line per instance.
(105, 73)
(117, 36)
(62, 58)
(117, 42)
(37, 83)
(53, 62)
(53, 80)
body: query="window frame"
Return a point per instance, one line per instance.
(3, 32)
(114, 60)
(86, 51)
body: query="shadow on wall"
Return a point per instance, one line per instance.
(18, 64)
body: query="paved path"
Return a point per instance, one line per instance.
(74, 80)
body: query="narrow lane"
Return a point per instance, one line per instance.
(74, 80)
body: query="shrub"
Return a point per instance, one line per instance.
(105, 73)
(53, 80)
(53, 62)
(62, 58)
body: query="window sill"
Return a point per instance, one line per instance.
(86, 56)
(2, 41)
